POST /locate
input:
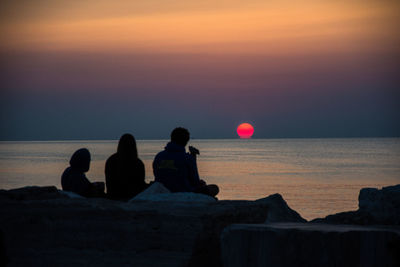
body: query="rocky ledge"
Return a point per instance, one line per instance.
(368, 237)
(310, 245)
(42, 226)
(375, 207)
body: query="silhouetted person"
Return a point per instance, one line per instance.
(177, 170)
(125, 171)
(74, 179)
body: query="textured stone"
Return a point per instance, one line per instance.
(383, 205)
(71, 194)
(308, 245)
(376, 207)
(157, 192)
(279, 210)
(176, 197)
(155, 188)
(32, 193)
(63, 231)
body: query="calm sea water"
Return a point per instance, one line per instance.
(316, 177)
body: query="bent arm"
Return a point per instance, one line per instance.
(194, 178)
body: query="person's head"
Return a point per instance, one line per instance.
(180, 136)
(80, 160)
(127, 146)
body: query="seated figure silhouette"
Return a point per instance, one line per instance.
(124, 171)
(177, 170)
(74, 179)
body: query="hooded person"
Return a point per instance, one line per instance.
(124, 171)
(177, 170)
(74, 179)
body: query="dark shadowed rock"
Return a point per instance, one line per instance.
(279, 211)
(64, 231)
(153, 189)
(157, 192)
(3, 253)
(309, 245)
(32, 193)
(383, 205)
(376, 207)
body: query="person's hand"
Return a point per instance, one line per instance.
(194, 151)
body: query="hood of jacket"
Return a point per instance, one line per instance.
(80, 160)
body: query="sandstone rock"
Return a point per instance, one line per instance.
(376, 207)
(279, 211)
(155, 188)
(3, 253)
(299, 244)
(176, 197)
(32, 193)
(71, 194)
(157, 192)
(383, 205)
(63, 231)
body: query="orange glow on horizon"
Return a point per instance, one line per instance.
(245, 130)
(279, 27)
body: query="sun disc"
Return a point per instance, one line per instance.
(245, 130)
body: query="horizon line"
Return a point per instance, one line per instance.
(195, 139)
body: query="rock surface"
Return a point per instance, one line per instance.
(383, 205)
(155, 188)
(299, 244)
(279, 210)
(376, 207)
(43, 227)
(32, 193)
(157, 192)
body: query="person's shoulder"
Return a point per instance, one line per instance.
(161, 154)
(112, 158)
(72, 174)
(66, 172)
(67, 169)
(139, 162)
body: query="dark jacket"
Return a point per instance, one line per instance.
(74, 179)
(124, 177)
(176, 169)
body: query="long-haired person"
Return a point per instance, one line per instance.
(124, 171)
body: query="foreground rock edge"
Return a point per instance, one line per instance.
(43, 226)
(310, 244)
(164, 217)
(376, 207)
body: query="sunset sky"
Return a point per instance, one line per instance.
(95, 69)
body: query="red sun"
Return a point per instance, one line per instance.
(245, 130)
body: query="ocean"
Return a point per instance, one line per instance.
(317, 177)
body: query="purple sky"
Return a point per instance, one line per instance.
(336, 75)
